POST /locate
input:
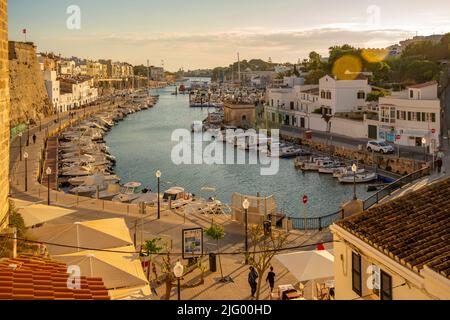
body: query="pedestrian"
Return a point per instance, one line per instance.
(252, 280)
(271, 279)
(440, 160)
(34, 138)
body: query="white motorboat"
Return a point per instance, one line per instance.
(358, 178)
(332, 167)
(313, 164)
(128, 193)
(346, 171)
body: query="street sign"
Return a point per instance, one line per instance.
(433, 131)
(399, 137)
(305, 199)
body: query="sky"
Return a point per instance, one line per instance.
(193, 34)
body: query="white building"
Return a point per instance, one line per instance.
(53, 89)
(397, 250)
(343, 95)
(412, 116)
(77, 92)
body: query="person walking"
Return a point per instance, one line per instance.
(440, 160)
(271, 279)
(252, 280)
(34, 138)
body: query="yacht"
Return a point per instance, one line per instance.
(359, 178)
(128, 193)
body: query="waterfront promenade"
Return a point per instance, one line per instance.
(145, 227)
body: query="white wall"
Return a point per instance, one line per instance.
(351, 128)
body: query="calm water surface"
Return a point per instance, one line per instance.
(142, 144)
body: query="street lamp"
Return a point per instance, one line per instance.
(246, 205)
(48, 172)
(424, 144)
(20, 144)
(25, 156)
(178, 270)
(158, 177)
(354, 170)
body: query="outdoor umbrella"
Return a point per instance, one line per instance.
(98, 234)
(118, 270)
(35, 214)
(308, 265)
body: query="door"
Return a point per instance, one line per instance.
(373, 132)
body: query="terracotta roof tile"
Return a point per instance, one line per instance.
(35, 278)
(413, 230)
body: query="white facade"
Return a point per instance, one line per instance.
(412, 115)
(53, 88)
(406, 284)
(343, 95)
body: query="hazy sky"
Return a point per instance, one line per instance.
(207, 33)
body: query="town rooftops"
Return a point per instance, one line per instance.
(313, 91)
(36, 278)
(423, 85)
(413, 230)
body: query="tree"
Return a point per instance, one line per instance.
(263, 247)
(150, 248)
(216, 232)
(314, 76)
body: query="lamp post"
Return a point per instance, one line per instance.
(48, 172)
(158, 177)
(246, 205)
(28, 133)
(25, 157)
(178, 270)
(424, 144)
(20, 144)
(354, 170)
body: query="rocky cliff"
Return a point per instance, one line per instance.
(29, 98)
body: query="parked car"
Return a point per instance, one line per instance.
(380, 146)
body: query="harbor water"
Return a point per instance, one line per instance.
(142, 144)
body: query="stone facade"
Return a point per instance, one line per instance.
(29, 98)
(4, 115)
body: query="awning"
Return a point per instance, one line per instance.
(34, 214)
(118, 270)
(98, 234)
(308, 265)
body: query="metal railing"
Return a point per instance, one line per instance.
(396, 185)
(319, 223)
(316, 223)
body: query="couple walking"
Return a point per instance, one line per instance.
(253, 280)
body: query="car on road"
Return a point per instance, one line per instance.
(380, 146)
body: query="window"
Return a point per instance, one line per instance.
(409, 116)
(424, 116)
(418, 116)
(292, 105)
(271, 102)
(433, 117)
(322, 94)
(411, 94)
(361, 95)
(386, 286)
(273, 117)
(356, 274)
(328, 95)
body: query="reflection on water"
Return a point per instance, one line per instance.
(142, 145)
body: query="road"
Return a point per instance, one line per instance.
(416, 153)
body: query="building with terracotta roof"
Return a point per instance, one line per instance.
(399, 250)
(36, 278)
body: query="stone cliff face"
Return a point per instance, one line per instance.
(29, 98)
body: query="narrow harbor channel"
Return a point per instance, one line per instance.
(142, 145)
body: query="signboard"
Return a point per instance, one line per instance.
(390, 136)
(305, 199)
(192, 242)
(399, 137)
(433, 131)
